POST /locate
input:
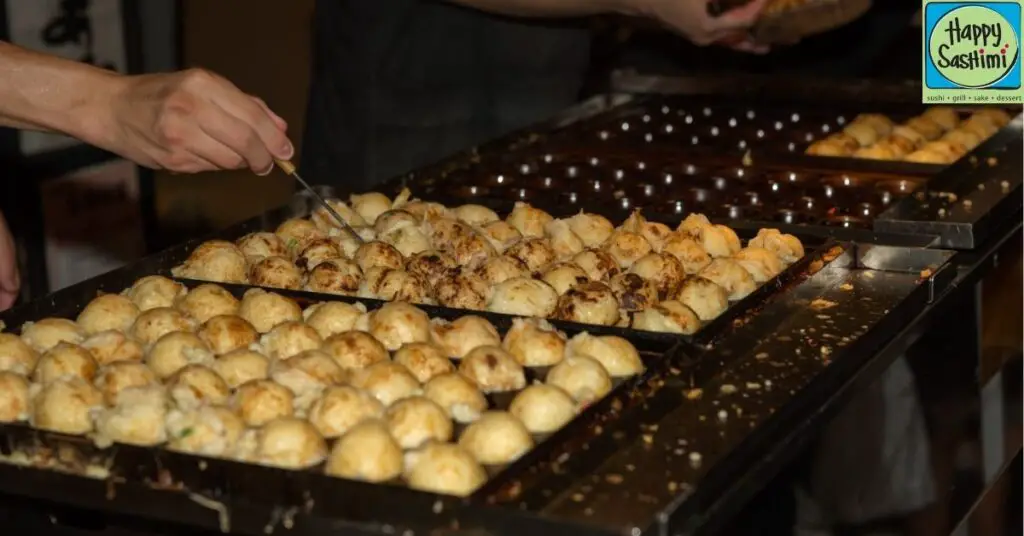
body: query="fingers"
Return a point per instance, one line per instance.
(740, 18)
(259, 119)
(238, 138)
(281, 123)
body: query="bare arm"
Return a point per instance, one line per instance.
(42, 92)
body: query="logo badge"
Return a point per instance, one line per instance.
(972, 52)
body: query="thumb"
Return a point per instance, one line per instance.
(740, 18)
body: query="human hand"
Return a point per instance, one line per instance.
(690, 19)
(191, 121)
(10, 283)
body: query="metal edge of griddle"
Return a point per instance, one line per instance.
(748, 465)
(990, 179)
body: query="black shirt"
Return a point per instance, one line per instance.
(398, 84)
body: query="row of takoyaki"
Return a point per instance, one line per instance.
(937, 136)
(262, 381)
(581, 268)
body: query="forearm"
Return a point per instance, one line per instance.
(42, 92)
(552, 8)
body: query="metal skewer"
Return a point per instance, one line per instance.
(289, 169)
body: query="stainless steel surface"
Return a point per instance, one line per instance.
(289, 169)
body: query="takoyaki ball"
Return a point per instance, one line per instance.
(593, 229)
(501, 268)
(368, 453)
(654, 232)
(65, 360)
(626, 248)
(298, 233)
(997, 115)
(155, 291)
(290, 443)
(386, 381)
(535, 253)
(729, 275)
(944, 116)
(374, 254)
(683, 247)
(633, 292)
(501, 234)
(617, 355)
(197, 385)
(307, 375)
(523, 297)
(564, 276)
(457, 395)
(445, 232)
(534, 342)
(276, 272)
(828, 148)
(16, 355)
(692, 223)
(458, 337)
(329, 318)
(493, 370)
(431, 266)
(262, 244)
(393, 285)
(66, 406)
(898, 145)
(423, 209)
(882, 124)
(354, 350)
(408, 240)
(543, 408)
(206, 431)
(264, 310)
(335, 276)
(718, 240)
(416, 420)
(922, 156)
(786, 246)
(864, 133)
(529, 221)
(242, 366)
(112, 346)
(599, 265)
(669, 316)
(121, 375)
(175, 351)
(349, 242)
(153, 324)
(106, 312)
(924, 126)
(207, 301)
(394, 220)
(316, 252)
(981, 125)
(912, 136)
(496, 438)
(227, 333)
(138, 418)
(589, 303)
(463, 291)
(949, 149)
(395, 324)
(261, 401)
(564, 243)
(471, 250)
(878, 151)
(969, 140)
(370, 205)
(340, 408)
(475, 215)
(224, 263)
(664, 270)
(326, 222)
(14, 397)
(424, 360)
(288, 339)
(445, 468)
(844, 140)
(703, 297)
(50, 332)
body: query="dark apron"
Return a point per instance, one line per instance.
(399, 84)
